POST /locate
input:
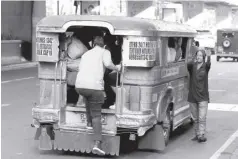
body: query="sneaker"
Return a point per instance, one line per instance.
(202, 139)
(97, 149)
(89, 126)
(112, 107)
(195, 138)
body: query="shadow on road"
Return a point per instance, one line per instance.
(180, 131)
(227, 61)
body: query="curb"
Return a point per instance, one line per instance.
(18, 66)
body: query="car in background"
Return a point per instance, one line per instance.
(227, 40)
(206, 40)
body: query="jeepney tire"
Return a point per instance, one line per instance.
(167, 125)
(218, 58)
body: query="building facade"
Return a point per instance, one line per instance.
(19, 18)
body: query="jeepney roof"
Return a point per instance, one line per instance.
(119, 25)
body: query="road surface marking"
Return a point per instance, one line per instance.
(217, 154)
(219, 74)
(214, 90)
(234, 79)
(5, 105)
(223, 107)
(19, 79)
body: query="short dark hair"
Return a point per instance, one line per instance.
(171, 42)
(98, 40)
(91, 6)
(197, 43)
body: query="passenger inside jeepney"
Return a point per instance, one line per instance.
(171, 52)
(113, 44)
(176, 50)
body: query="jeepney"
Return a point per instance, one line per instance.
(227, 43)
(151, 99)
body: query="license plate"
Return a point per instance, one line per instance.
(84, 119)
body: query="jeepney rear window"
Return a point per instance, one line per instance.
(228, 35)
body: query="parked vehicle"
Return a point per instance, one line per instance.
(227, 43)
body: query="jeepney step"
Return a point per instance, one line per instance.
(82, 142)
(108, 111)
(82, 129)
(83, 109)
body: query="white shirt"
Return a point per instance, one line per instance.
(171, 54)
(92, 68)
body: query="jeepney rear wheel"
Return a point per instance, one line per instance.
(167, 126)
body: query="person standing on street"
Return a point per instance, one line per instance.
(198, 92)
(89, 83)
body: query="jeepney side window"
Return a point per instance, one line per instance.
(176, 50)
(171, 52)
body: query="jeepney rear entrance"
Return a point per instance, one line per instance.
(227, 44)
(150, 99)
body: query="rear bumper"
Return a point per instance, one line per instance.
(139, 121)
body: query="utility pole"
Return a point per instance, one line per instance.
(57, 7)
(159, 9)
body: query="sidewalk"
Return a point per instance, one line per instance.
(18, 66)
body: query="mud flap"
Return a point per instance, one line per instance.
(153, 139)
(45, 136)
(83, 142)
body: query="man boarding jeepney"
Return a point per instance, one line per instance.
(90, 84)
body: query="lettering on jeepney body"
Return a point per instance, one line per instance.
(169, 72)
(142, 50)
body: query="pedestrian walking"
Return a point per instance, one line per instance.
(198, 92)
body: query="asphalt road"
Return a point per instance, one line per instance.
(20, 90)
